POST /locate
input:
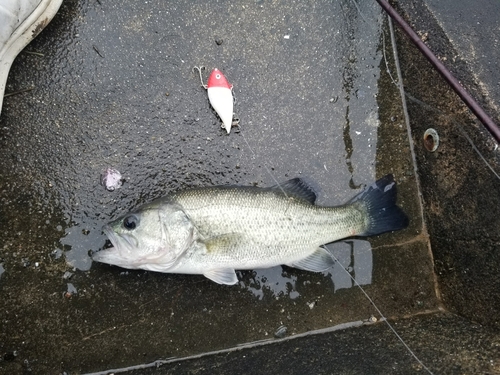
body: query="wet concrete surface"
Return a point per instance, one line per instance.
(461, 180)
(447, 344)
(473, 31)
(114, 87)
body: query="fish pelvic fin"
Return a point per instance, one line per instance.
(226, 276)
(379, 202)
(319, 261)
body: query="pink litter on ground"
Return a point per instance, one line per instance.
(111, 179)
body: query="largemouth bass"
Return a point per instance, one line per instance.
(214, 231)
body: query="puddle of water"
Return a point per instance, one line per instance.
(354, 255)
(316, 105)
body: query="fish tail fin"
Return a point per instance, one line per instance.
(379, 201)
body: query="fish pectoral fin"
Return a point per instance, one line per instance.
(166, 260)
(319, 261)
(225, 276)
(156, 267)
(156, 263)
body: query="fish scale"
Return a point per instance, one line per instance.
(268, 217)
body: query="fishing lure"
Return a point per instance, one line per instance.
(220, 96)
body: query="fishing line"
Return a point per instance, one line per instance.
(413, 155)
(334, 257)
(353, 279)
(387, 69)
(199, 69)
(264, 164)
(380, 313)
(359, 11)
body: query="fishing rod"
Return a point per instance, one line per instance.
(445, 73)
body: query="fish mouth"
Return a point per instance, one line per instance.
(113, 238)
(117, 253)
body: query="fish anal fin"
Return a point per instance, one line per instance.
(225, 276)
(319, 261)
(296, 187)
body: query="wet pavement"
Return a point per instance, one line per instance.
(473, 30)
(112, 86)
(461, 180)
(446, 343)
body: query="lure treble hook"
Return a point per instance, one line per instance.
(199, 69)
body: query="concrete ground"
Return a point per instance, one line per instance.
(111, 85)
(461, 180)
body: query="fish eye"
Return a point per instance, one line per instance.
(130, 222)
(217, 76)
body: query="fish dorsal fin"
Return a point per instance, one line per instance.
(319, 261)
(225, 276)
(296, 187)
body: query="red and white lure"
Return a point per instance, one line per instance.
(220, 95)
